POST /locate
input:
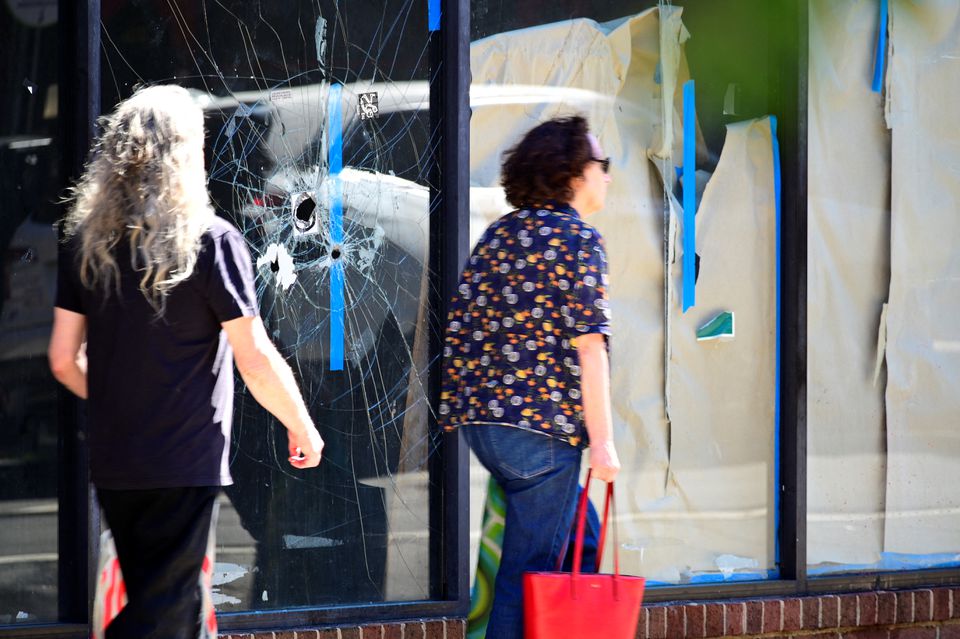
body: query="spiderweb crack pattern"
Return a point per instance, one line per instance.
(269, 77)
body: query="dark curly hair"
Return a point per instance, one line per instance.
(540, 166)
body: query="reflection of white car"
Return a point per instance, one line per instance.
(273, 154)
(384, 155)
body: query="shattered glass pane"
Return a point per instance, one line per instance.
(318, 149)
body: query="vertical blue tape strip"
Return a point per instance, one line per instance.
(433, 15)
(776, 392)
(335, 163)
(689, 195)
(881, 48)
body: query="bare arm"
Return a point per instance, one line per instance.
(595, 387)
(68, 363)
(272, 384)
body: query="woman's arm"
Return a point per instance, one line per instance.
(595, 387)
(67, 361)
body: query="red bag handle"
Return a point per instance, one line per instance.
(608, 508)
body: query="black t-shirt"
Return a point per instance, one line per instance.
(160, 390)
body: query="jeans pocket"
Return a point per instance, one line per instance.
(521, 454)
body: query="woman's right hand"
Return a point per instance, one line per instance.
(604, 461)
(305, 447)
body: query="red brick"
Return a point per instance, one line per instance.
(772, 615)
(714, 620)
(905, 607)
(456, 629)
(955, 603)
(642, 632)
(829, 611)
(791, 614)
(308, 634)
(433, 630)
(951, 631)
(923, 605)
(287, 634)
(675, 621)
(848, 611)
(657, 622)
(328, 633)
(886, 608)
(868, 609)
(754, 617)
(413, 630)
(734, 619)
(827, 634)
(371, 632)
(350, 633)
(913, 633)
(694, 623)
(867, 633)
(809, 613)
(941, 604)
(395, 631)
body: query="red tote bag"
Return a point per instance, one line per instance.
(583, 605)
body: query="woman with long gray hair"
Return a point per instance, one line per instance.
(160, 292)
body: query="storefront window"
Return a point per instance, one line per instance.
(321, 148)
(694, 355)
(318, 134)
(883, 272)
(29, 187)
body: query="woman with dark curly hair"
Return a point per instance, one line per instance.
(526, 370)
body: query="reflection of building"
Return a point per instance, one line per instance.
(788, 461)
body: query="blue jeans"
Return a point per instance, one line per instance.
(539, 476)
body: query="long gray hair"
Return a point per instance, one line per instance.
(146, 183)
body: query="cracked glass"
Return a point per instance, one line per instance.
(318, 150)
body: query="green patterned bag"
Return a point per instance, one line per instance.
(488, 561)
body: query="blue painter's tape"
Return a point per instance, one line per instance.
(881, 48)
(433, 15)
(335, 165)
(713, 578)
(776, 384)
(689, 195)
(737, 576)
(892, 561)
(336, 317)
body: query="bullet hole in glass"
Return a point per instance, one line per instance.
(304, 213)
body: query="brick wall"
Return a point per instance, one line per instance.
(417, 629)
(906, 614)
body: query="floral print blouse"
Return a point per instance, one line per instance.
(535, 281)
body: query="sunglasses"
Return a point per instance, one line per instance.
(604, 164)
